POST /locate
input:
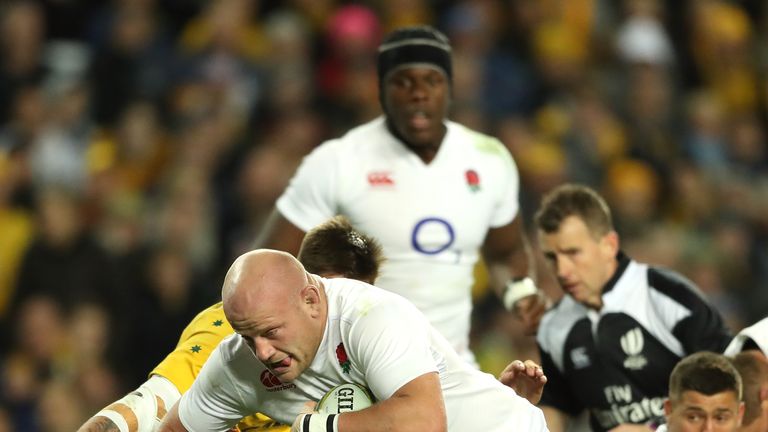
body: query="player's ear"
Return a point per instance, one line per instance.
(667, 407)
(610, 243)
(740, 414)
(764, 398)
(310, 296)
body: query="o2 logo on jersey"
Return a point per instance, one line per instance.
(432, 235)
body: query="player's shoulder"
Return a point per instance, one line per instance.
(558, 321)
(563, 311)
(361, 136)
(757, 333)
(233, 349)
(479, 141)
(358, 142)
(214, 310)
(674, 285)
(372, 128)
(209, 319)
(352, 289)
(351, 296)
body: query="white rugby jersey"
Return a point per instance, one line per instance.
(757, 332)
(373, 338)
(431, 219)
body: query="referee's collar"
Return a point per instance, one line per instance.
(623, 261)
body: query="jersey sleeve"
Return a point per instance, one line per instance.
(508, 205)
(392, 343)
(556, 392)
(703, 329)
(198, 340)
(538, 422)
(757, 333)
(211, 404)
(310, 198)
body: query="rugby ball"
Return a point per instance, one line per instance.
(345, 398)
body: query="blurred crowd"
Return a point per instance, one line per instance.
(144, 142)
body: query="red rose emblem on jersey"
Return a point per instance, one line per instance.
(473, 180)
(341, 355)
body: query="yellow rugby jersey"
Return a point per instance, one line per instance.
(260, 422)
(196, 343)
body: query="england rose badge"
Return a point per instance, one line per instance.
(341, 355)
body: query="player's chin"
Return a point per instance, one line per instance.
(286, 377)
(287, 374)
(282, 373)
(423, 137)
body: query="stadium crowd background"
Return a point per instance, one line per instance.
(143, 143)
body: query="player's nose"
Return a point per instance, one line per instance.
(563, 267)
(262, 348)
(708, 425)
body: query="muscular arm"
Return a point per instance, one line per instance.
(137, 411)
(416, 406)
(171, 421)
(279, 233)
(508, 256)
(100, 424)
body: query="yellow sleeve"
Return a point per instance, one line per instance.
(261, 423)
(197, 342)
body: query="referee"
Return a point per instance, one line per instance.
(610, 344)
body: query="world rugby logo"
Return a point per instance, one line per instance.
(345, 398)
(632, 343)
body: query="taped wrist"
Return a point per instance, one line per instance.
(142, 409)
(317, 422)
(136, 411)
(517, 289)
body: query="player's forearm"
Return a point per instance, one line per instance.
(117, 417)
(99, 424)
(418, 406)
(403, 415)
(557, 421)
(138, 411)
(507, 256)
(503, 269)
(280, 234)
(172, 422)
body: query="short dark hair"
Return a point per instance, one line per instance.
(574, 200)
(336, 248)
(754, 373)
(705, 372)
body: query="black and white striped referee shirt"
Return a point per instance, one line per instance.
(616, 362)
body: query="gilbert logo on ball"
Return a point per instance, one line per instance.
(345, 398)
